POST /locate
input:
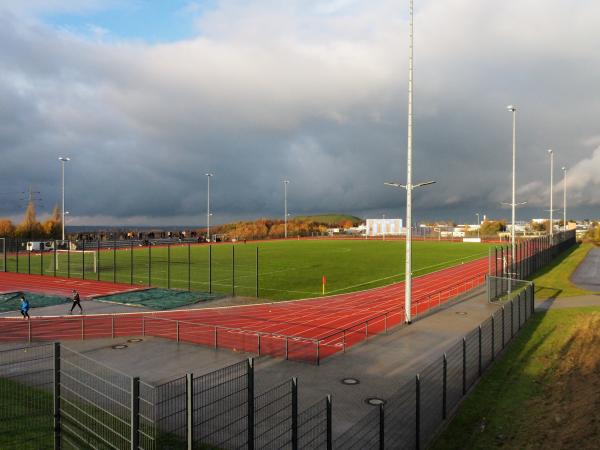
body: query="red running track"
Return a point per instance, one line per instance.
(303, 330)
(38, 284)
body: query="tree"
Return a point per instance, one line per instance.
(7, 229)
(52, 226)
(492, 227)
(30, 227)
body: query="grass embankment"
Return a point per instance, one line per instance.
(542, 393)
(26, 420)
(554, 280)
(287, 269)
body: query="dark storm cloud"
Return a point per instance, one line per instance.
(315, 94)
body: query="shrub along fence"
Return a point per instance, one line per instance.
(78, 403)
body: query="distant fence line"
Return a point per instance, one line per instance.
(79, 403)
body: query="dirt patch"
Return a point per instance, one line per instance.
(567, 415)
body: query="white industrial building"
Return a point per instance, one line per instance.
(384, 227)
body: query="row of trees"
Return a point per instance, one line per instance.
(31, 228)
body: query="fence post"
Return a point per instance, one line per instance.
(114, 261)
(112, 326)
(493, 337)
(532, 288)
(189, 407)
(329, 424)
(444, 387)
(135, 413)
(503, 320)
(168, 266)
(294, 413)
(417, 412)
(177, 322)
(29, 331)
(480, 350)
(131, 263)
(512, 318)
(97, 260)
(250, 403)
(57, 425)
(82, 330)
(381, 427)
(286, 347)
(519, 301)
(216, 337)
(464, 364)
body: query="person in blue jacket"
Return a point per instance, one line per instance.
(25, 307)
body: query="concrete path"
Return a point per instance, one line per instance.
(381, 364)
(587, 275)
(568, 302)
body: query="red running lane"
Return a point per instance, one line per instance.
(303, 330)
(38, 284)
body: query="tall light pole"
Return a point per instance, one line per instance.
(409, 186)
(564, 169)
(478, 225)
(285, 184)
(63, 160)
(513, 109)
(208, 214)
(551, 153)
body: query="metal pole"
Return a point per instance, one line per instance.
(256, 272)
(189, 266)
(285, 183)
(208, 176)
(98, 260)
(294, 413)
(149, 264)
(209, 269)
(464, 366)
(114, 261)
(381, 427)
(551, 191)
(168, 266)
(189, 378)
(514, 158)
(135, 413)
(131, 263)
(250, 403)
(57, 424)
(329, 423)
(444, 387)
(233, 270)
(565, 198)
(83, 260)
(408, 267)
(62, 216)
(417, 410)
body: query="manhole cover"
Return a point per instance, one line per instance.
(134, 340)
(350, 381)
(461, 313)
(119, 346)
(375, 401)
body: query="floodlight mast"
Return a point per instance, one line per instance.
(63, 160)
(208, 213)
(564, 169)
(513, 109)
(551, 153)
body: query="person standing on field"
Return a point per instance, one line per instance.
(76, 302)
(24, 307)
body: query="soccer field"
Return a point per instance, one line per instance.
(286, 269)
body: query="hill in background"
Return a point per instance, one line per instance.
(331, 219)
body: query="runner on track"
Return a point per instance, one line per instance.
(76, 302)
(24, 307)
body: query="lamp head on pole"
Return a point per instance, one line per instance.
(511, 108)
(64, 158)
(286, 181)
(209, 174)
(550, 151)
(564, 169)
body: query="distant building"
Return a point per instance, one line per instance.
(387, 227)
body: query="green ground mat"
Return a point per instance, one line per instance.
(159, 299)
(11, 301)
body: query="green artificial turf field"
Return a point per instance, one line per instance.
(287, 269)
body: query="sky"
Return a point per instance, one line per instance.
(146, 97)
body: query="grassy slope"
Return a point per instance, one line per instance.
(541, 394)
(288, 269)
(554, 280)
(25, 417)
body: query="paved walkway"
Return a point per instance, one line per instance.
(587, 275)
(381, 364)
(568, 302)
